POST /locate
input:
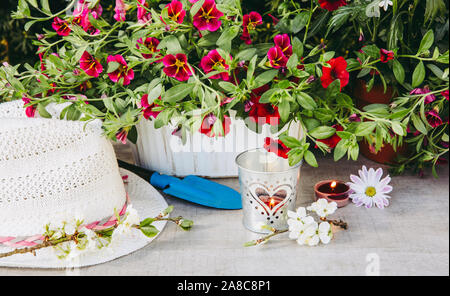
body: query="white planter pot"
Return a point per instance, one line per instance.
(159, 150)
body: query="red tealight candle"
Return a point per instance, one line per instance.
(333, 190)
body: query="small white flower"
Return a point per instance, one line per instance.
(132, 217)
(325, 232)
(307, 233)
(298, 221)
(373, 9)
(385, 4)
(90, 237)
(369, 190)
(323, 208)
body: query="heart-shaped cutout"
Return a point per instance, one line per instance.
(271, 200)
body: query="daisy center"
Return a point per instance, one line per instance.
(371, 191)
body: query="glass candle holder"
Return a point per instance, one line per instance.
(268, 189)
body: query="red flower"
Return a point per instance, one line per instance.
(334, 139)
(90, 65)
(122, 136)
(433, 118)
(331, 5)
(386, 55)
(423, 91)
(208, 124)
(120, 11)
(263, 113)
(122, 71)
(142, 14)
(250, 22)
(276, 58)
(207, 18)
(215, 62)
(176, 12)
(445, 94)
(177, 67)
(152, 45)
(338, 70)
(148, 109)
(30, 111)
(61, 26)
(284, 42)
(277, 147)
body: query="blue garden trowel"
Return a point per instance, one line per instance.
(192, 188)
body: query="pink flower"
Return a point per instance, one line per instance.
(176, 12)
(433, 118)
(208, 17)
(120, 11)
(208, 124)
(151, 44)
(250, 22)
(445, 94)
(276, 58)
(90, 65)
(148, 108)
(30, 111)
(284, 42)
(61, 26)
(142, 14)
(369, 189)
(215, 62)
(122, 135)
(423, 91)
(122, 71)
(177, 67)
(386, 55)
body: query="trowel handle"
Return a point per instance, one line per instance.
(141, 172)
(154, 178)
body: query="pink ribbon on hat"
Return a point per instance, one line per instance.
(18, 242)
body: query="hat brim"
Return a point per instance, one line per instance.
(144, 198)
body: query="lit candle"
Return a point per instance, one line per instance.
(272, 204)
(332, 190)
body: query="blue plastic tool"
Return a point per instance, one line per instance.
(192, 188)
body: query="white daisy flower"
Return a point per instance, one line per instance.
(369, 190)
(323, 208)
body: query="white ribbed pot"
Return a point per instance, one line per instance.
(159, 150)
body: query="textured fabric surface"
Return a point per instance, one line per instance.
(53, 171)
(143, 197)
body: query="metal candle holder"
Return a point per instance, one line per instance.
(268, 189)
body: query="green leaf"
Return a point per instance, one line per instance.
(418, 75)
(418, 124)
(177, 93)
(398, 128)
(196, 7)
(149, 231)
(427, 42)
(43, 112)
(365, 128)
(290, 142)
(284, 109)
(399, 71)
(340, 150)
(310, 159)
(227, 36)
(112, 66)
(322, 132)
(265, 78)
(297, 47)
(299, 22)
(306, 101)
(147, 222)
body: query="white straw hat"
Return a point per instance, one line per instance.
(53, 171)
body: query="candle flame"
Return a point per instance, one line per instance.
(333, 184)
(272, 203)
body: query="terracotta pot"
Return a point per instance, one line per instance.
(386, 155)
(375, 96)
